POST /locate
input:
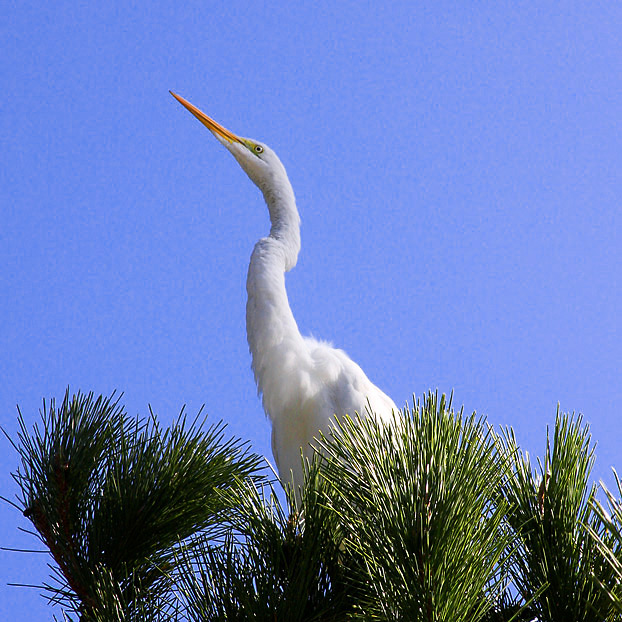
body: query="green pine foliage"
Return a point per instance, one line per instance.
(418, 502)
(609, 541)
(557, 565)
(273, 563)
(111, 497)
(433, 518)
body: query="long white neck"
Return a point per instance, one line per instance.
(270, 323)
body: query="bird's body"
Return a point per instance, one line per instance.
(304, 383)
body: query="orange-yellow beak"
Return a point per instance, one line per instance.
(210, 124)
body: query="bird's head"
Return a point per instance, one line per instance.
(259, 162)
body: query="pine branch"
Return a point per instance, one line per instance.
(418, 501)
(112, 497)
(274, 563)
(609, 542)
(557, 564)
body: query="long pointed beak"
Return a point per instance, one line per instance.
(210, 124)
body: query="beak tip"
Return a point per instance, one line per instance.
(221, 133)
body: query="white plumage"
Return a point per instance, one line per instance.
(304, 382)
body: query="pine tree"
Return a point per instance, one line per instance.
(433, 518)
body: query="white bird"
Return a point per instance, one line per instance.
(305, 383)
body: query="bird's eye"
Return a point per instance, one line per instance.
(258, 149)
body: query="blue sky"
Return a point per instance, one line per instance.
(456, 166)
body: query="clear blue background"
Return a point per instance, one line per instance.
(457, 168)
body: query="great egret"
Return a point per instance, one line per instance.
(305, 383)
